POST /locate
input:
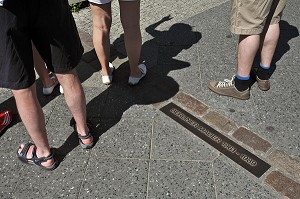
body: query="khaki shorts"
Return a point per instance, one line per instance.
(249, 17)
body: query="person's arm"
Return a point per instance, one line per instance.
(151, 29)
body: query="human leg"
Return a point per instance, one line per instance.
(48, 83)
(249, 42)
(18, 75)
(268, 45)
(130, 19)
(75, 100)
(101, 14)
(247, 49)
(61, 49)
(238, 86)
(33, 119)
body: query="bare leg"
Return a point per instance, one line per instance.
(33, 118)
(41, 69)
(75, 100)
(269, 44)
(130, 19)
(101, 28)
(247, 48)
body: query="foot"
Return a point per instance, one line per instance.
(228, 88)
(135, 80)
(263, 85)
(5, 119)
(49, 90)
(86, 139)
(27, 153)
(107, 79)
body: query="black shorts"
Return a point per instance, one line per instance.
(49, 24)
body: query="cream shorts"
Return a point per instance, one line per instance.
(105, 1)
(248, 17)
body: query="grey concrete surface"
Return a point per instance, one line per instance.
(142, 153)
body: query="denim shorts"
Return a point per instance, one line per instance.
(249, 17)
(49, 24)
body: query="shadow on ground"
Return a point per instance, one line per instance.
(159, 56)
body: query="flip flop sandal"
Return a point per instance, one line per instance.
(34, 160)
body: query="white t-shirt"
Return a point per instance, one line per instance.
(1, 2)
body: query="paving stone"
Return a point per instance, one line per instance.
(63, 182)
(86, 41)
(286, 162)
(180, 179)
(232, 182)
(10, 172)
(172, 141)
(125, 138)
(115, 178)
(251, 139)
(284, 185)
(220, 122)
(190, 103)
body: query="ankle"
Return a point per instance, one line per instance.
(263, 72)
(42, 152)
(242, 83)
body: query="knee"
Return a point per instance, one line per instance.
(103, 24)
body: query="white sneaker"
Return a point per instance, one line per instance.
(135, 80)
(107, 79)
(49, 90)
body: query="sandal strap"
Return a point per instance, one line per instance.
(39, 161)
(85, 136)
(22, 155)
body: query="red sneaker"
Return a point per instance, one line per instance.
(5, 119)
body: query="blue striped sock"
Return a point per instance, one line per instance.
(242, 77)
(241, 83)
(264, 67)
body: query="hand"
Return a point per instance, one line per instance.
(167, 18)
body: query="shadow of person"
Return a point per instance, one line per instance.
(159, 52)
(107, 109)
(287, 32)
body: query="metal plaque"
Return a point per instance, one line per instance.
(235, 152)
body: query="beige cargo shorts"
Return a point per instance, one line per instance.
(249, 17)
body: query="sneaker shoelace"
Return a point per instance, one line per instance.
(226, 83)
